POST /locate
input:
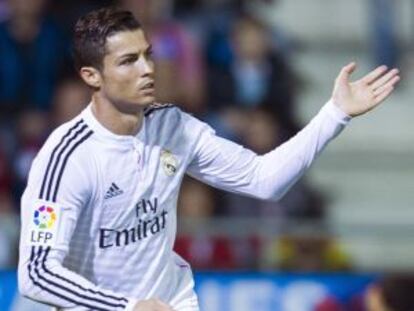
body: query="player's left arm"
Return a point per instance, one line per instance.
(231, 167)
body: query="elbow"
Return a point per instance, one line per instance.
(271, 192)
(268, 195)
(25, 291)
(273, 187)
(25, 285)
(267, 185)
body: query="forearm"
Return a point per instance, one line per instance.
(43, 278)
(229, 166)
(279, 169)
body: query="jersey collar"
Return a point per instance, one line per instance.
(106, 134)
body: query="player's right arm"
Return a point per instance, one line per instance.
(58, 188)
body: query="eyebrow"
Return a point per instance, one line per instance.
(148, 48)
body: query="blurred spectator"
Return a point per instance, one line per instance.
(197, 200)
(179, 71)
(9, 228)
(4, 10)
(307, 253)
(383, 33)
(70, 98)
(210, 22)
(394, 292)
(259, 131)
(32, 128)
(206, 249)
(67, 12)
(34, 53)
(5, 173)
(257, 76)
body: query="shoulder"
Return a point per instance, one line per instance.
(63, 161)
(155, 108)
(164, 116)
(170, 116)
(68, 141)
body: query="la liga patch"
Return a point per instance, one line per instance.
(44, 224)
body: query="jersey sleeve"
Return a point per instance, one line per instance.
(58, 188)
(229, 166)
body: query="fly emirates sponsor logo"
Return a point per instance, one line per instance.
(149, 222)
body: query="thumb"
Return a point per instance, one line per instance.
(345, 72)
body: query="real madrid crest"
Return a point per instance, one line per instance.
(168, 162)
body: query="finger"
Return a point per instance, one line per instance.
(389, 83)
(384, 79)
(346, 71)
(381, 97)
(373, 75)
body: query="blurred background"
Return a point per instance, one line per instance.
(257, 71)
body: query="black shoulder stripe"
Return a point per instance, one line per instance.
(58, 159)
(52, 156)
(85, 137)
(150, 109)
(52, 287)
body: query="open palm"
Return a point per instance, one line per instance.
(358, 97)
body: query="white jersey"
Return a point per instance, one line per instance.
(99, 211)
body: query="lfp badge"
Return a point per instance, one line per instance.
(44, 224)
(44, 217)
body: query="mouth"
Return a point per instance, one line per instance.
(148, 86)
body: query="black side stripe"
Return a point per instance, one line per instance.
(85, 137)
(53, 156)
(52, 176)
(77, 285)
(48, 289)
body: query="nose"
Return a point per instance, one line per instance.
(146, 66)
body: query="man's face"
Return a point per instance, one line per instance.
(128, 71)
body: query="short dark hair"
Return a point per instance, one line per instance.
(92, 30)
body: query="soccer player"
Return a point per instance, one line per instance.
(99, 211)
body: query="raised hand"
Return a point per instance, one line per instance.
(359, 97)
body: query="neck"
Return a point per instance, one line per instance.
(116, 121)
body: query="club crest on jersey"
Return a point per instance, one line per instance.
(43, 228)
(169, 162)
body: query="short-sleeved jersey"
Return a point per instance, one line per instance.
(99, 211)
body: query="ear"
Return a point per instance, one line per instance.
(91, 76)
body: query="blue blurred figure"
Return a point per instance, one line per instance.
(384, 41)
(33, 55)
